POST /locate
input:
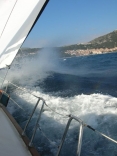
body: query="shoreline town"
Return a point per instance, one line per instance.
(81, 52)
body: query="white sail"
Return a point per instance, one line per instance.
(16, 20)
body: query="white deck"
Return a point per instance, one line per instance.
(11, 143)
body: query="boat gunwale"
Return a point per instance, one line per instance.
(25, 139)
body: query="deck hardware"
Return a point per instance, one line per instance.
(65, 133)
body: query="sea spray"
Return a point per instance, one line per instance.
(94, 103)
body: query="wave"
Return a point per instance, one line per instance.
(97, 110)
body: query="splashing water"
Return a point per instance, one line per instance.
(84, 92)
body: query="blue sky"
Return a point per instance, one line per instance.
(65, 22)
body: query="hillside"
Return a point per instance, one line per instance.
(102, 44)
(107, 41)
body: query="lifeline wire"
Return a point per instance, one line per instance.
(100, 133)
(46, 136)
(63, 115)
(25, 90)
(16, 103)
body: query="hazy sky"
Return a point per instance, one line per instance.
(66, 22)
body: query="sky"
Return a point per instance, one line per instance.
(66, 22)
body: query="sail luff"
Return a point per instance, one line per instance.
(6, 8)
(20, 22)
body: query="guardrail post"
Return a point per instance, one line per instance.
(80, 140)
(64, 135)
(23, 133)
(80, 135)
(36, 126)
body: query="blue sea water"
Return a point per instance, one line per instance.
(84, 86)
(85, 74)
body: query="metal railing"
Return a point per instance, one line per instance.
(37, 122)
(71, 117)
(65, 133)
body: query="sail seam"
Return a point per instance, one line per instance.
(8, 18)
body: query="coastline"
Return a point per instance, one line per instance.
(81, 52)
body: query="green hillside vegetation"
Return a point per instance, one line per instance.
(106, 41)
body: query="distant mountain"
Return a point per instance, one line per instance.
(107, 42)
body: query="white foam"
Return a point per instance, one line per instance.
(86, 107)
(97, 110)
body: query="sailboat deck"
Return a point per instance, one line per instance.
(11, 142)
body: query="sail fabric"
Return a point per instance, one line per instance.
(16, 20)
